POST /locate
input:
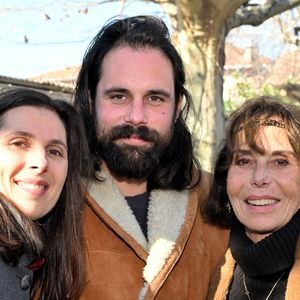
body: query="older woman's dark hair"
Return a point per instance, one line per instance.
(58, 235)
(176, 169)
(254, 113)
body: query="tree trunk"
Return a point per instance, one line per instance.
(201, 27)
(200, 30)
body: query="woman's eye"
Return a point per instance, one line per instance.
(281, 162)
(242, 161)
(55, 152)
(19, 144)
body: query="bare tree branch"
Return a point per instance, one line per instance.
(288, 25)
(256, 15)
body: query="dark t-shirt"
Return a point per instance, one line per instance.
(139, 206)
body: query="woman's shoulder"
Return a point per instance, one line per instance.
(16, 279)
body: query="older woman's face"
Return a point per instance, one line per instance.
(33, 159)
(264, 189)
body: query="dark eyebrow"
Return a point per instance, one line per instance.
(284, 152)
(22, 133)
(159, 92)
(150, 92)
(58, 142)
(276, 152)
(31, 136)
(242, 151)
(116, 89)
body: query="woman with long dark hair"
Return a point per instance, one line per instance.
(44, 159)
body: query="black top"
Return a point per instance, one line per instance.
(139, 206)
(264, 262)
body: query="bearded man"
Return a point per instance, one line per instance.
(144, 234)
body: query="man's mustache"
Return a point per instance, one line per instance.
(141, 132)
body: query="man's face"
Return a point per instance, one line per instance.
(135, 110)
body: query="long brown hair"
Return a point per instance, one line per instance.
(56, 237)
(249, 117)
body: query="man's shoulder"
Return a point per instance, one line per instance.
(202, 188)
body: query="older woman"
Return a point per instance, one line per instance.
(256, 191)
(43, 159)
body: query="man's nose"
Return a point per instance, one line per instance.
(136, 114)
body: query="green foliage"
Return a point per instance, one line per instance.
(269, 90)
(292, 79)
(229, 106)
(244, 91)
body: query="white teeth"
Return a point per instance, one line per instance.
(261, 202)
(31, 186)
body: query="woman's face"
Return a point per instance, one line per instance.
(33, 159)
(264, 189)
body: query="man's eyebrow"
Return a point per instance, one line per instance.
(115, 89)
(159, 92)
(149, 92)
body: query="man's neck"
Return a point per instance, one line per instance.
(130, 187)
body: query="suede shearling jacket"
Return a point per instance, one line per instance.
(223, 276)
(175, 263)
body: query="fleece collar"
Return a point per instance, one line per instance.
(166, 215)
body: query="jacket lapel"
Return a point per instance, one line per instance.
(166, 215)
(293, 285)
(108, 197)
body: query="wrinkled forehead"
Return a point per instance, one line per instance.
(254, 124)
(264, 138)
(252, 130)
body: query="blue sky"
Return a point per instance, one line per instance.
(58, 32)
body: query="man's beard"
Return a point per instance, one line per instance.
(130, 161)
